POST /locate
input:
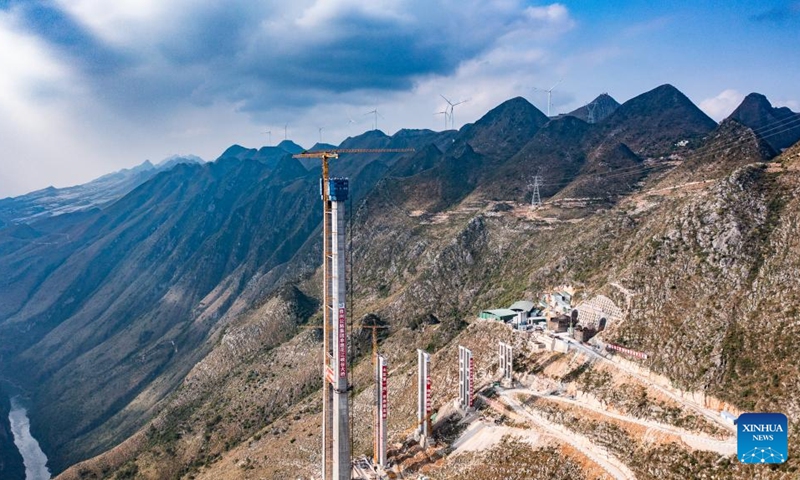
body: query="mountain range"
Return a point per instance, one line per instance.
(53, 201)
(168, 321)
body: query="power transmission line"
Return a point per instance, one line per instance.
(536, 182)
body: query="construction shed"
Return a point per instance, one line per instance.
(503, 314)
(523, 306)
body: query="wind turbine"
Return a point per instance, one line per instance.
(446, 115)
(269, 133)
(375, 112)
(285, 130)
(549, 94)
(452, 109)
(320, 133)
(350, 123)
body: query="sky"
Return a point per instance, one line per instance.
(88, 87)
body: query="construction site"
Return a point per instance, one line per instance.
(539, 373)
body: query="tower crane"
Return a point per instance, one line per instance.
(336, 447)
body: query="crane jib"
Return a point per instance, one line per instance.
(335, 153)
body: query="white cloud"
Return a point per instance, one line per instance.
(722, 105)
(35, 128)
(794, 105)
(117, 22)
(323, 12)
(29, 71)
(555, 13)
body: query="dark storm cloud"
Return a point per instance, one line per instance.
(367, 54)
(270, 56)
(69, 37)
(354, 52)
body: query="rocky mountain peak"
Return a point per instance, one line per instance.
(514, 110)
(753, 103)
(503, 130)
(171, 161)
(235, 150)
(290, 146)
(666, 100)
(780, 127)
(652, 123)
(369, 139)
(605, 98)
(597, 110)
(412, 133)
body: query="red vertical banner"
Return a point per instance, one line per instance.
(428, 397)
(384, 391)
(342, 342)
(469, 383)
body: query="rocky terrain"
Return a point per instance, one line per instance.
(201, 344)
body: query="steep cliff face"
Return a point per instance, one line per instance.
(260, 365)
(697, 270)
(715, 280)
(109, 309)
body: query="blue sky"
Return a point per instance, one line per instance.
(91, 86)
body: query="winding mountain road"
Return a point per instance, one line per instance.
(600, 456)
(694, 440)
